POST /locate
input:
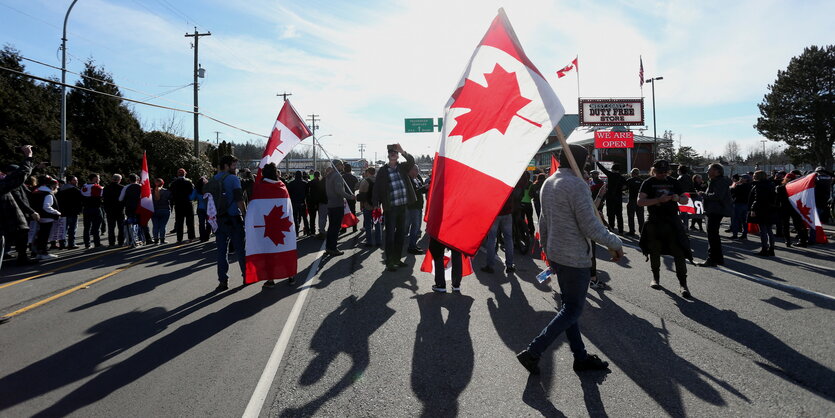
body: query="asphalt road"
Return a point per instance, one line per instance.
(139, 332)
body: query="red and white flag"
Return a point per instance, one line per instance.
(146, 204)
(92, 190)
(494, 123)
(555, 164)
(428, 264)
(270, 233)
(567, 68)
(288, 131)
(802, 197)
(348, 218)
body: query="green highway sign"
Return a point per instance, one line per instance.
(419, 125)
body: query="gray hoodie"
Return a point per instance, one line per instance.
(567, 221)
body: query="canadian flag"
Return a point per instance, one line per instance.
(348, 218)
(428, 264)
(554, 165)
(693, 206)
(146, 204)
(567, 68)
(91, 190)
(288, 131)
(270, 233)
(802, 197)
(495, 121)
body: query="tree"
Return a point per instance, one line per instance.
(666, 150)
(732, 152)
(167, 152)
(687, 156)
(799, 108)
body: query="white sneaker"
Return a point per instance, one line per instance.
(46, 256)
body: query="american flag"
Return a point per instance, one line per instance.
(641, 70)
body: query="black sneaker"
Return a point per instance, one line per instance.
(685, 293)
(400, 264)
(510, 269)
(528, 361)
(654, 284)
(221, 287)
(291, 280)
(391, 267)
(437, 289)
(487, 269)
(591, 362)
(268, 284)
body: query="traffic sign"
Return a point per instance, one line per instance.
(419, 125)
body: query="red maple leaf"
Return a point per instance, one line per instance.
(804, 211)
(276, 225)
(491, 107)
(275, 141)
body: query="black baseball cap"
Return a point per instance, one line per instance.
(661, 165)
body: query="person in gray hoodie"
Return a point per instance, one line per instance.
(566, 225)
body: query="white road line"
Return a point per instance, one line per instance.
(262, 389)
(762, 280)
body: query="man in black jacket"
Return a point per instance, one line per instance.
(12, 222)
(181, 189)
(393, 191)
(717, 204)
(633, 186)
(615, 184)
(69, 195)
(298, 195)
(352, 181)
(114, 210)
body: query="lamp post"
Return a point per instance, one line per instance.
(64, 92)
(654, 129)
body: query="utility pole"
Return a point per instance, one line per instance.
(284, 95)
(313, 119)
(217, 138)
(362, 149)
(196, 35)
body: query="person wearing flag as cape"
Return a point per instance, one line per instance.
(566, 225)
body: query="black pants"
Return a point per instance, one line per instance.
(714, 243)
(312, 213)
(184, 212)
(614, 211)
(792, 216)
(527, 212)
(300, 216)
(334, 225)
(395, 219)
(437, 251)
(92, 225)
(115, 221)
(42, 237)
(662, 239)
(635, 211)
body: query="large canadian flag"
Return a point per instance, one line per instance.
(495, 121)
(428, 264)
(288, 131)
(802, 197)
(146, 204)
(270, 233)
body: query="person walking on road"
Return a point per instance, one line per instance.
(717, 205)
(633, 187)
(789, 215)
(763, 200)
(203, 228)
(352, 181)
(44, 201)
(298, 189)
(181, 190)
(664, 232)
(615, 183)
(739, 196)
(114, 211)
(227, 193)
(13, 225)
(373, 230)
(93, 219)
(393, 192)
(162, 210)
(71, 205)
(567, 224)
(131, 197)
(337, 192)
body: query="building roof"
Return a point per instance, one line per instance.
(584, 135)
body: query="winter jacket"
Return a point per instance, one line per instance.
(717, 198)
(336, 190)
(382, 183)
(762, 203)
(11, 216)
(71, 200)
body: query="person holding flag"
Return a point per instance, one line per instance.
(337, 192)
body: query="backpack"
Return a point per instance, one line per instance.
(215, 188)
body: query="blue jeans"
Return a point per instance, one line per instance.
(203, 227)
(92, 225)
(229, 228)
(72, 226)
(574, 284)
(766, 237)
(160, 219)
(414, 219)
(738, 221)
(503, 223)
(372, 238)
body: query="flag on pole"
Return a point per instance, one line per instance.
(348, 218)
(146, 204)
(802, 197)
(567, 68)
(499, 114)
(270, 233)
(428, 264)
(641, 70)
(288, 131)
(554, 165)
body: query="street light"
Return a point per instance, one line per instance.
(64, 92)
(314, 148)
(654, 129)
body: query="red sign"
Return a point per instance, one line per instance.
(609, 139)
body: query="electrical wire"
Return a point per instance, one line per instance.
(46, 80)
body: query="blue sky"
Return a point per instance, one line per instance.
(365, 66)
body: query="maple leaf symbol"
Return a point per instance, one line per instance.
(491, 107)
(804, 211)
(276, 225)
(275, 141)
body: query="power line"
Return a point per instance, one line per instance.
(46, 80)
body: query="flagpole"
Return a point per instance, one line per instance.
(330, 161)
(577, 67)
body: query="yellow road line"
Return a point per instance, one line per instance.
(85, 284)
(55, 270)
